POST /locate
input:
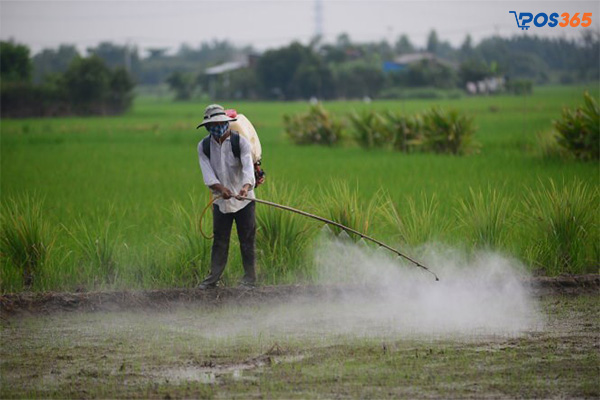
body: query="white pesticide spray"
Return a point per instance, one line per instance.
(481, 293)
(374, 294)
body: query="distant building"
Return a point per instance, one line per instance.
(229, 66)
(220, 75)
(226, 67)
(402, 62)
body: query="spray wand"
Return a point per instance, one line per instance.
(327, 221)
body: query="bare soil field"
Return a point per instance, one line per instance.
(266, 343)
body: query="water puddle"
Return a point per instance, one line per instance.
(210, 375)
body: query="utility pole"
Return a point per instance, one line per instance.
(319, 18)
(127, 56)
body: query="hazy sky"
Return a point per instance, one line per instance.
(267, 24)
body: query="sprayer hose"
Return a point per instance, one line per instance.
(210, 203)
(327, 221)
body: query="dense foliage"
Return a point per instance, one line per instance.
(15, 65)
(579, 130)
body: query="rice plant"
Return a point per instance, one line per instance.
(413, 222)
(282, 236)
(486, 217)
(97, 242)
(565, 222)
(27, 238)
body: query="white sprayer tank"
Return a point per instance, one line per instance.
(244, 127)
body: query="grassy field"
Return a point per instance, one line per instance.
(244, 352)
(121, 196)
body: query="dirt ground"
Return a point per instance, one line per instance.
(192, 344)
(33, 303)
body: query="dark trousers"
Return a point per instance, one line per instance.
(245, 222)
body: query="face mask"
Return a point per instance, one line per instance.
(217, 130)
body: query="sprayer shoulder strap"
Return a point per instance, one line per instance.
(235, 145)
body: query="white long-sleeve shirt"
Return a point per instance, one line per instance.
(228, 170)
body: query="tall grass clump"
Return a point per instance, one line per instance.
(97, 242)
(317, 126)
(565, 225)
(414, 222)
(343, 205)
(282, 237)
(486, 217)
(27, 238)
(189, 249)
(449, 132)
(579, 130)
(369, 129)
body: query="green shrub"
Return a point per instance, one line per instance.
(405, 131)
(316, 126)
(436, 131)
(566, 228)
(26, 238)
(370, 129)
(448, 132)
(579, 130)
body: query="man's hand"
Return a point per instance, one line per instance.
(223, 191)
(244, 192)
(226, 193)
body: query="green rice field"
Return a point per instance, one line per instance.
(120, 198)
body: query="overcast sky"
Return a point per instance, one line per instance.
(268, 24)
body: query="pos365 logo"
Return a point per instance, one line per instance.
(552, 20)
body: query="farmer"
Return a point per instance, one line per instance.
(231, 178)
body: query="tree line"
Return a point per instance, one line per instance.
(79, 86)
(339, 69)
(345, 69)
